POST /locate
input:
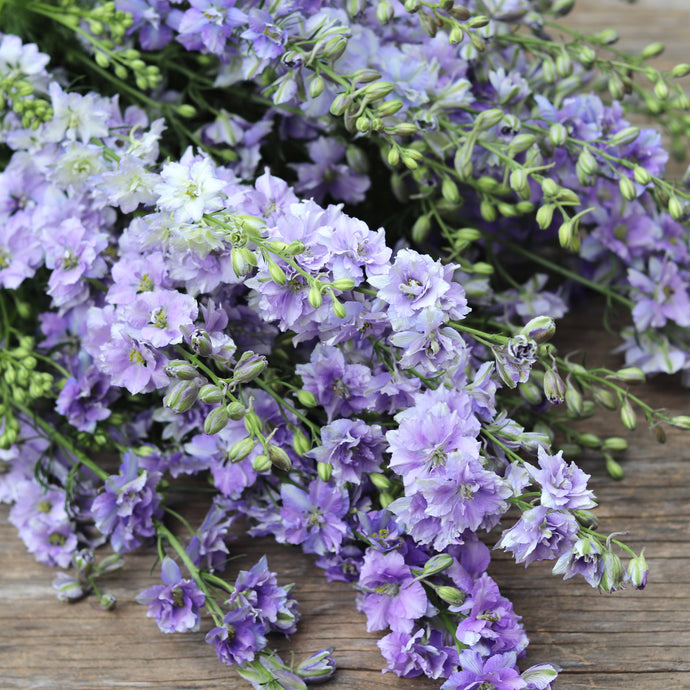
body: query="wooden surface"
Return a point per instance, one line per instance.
(632, 640)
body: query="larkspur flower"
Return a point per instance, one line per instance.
(175, 605)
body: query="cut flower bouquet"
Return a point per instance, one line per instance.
(308, 257)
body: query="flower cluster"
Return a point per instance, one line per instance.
(188, 299)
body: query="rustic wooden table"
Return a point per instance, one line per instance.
(632, 640)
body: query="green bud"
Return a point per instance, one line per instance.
(211, 394)
(637, 571)
(451, 595)
(652, 50)
(545, 216)
(613, 467)
(324, 470)
(241, 449)
(437, 564)
(661, 90)
(307, 398)
(338, 308)
(488, 118)
(570, 450)
(589, 440)
(316, 86)
(605, 398)
(614, 574)
(315, 297)
(573, 399)
(216, 421)
(236, 410)
(487, 211)
(540, 328)
(558, 134)
(625, 136)
(681, 70)
(343, 284)
(380, 481)
(279, 457)
(680, 421)
(627, 187)
(393, 156)
(641, 175)
(181, 395)
(630, 375)
(530, 392)
(300, 443)
(675, 208)
(385, 499)
(261, 464)
(614, 444)
(388, 108)
(276, 272)
(659, 434)
(384, 12)
(521, 143)
(421, 228)
(248, 367)
(449, 191)
(186, 110)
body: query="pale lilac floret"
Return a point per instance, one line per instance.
(175, 605)
(161, 317)
(563, 486)
(389, 596)
(498, 672)
(540, 534)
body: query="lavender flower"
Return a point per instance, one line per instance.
(240, 637)
(175, 604)
(126, 509)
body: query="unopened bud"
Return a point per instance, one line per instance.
(614, 444)
(249, 366)
(324, 470)
(315, 297)
(278, 457)
(628, 416)
(261, 464)
(554, 388)
(380, 481)
(240, 450)
(181, 395)
(318, 667)
(201, 343)
(573, 399)
(216, 420)
(637, 571)
(627, 188)
(589, 440)
(438, 563)
(181, 369)
(300, 443)
(211, 394)
(680, 421)
(614, 574)
(545, 216)
(540, 328)
(451, 595)
(613, 467)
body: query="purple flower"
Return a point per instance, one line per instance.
(422, 652)
(661, 296)
(84, 400)
(540, 534)
(207, 547)
(264, 36)
(353, 447)
(416, 282)
(149, 20)
(258, 589)
(175, 604)
(498, 672)
(339, 387)
(584, 559)
(208, 24)
(240, 637)
(160, 317)
(314, 519)
(490, 626)
(563, 486)
(126, 510)
(327, 176)
(514, 360)
(389, 596)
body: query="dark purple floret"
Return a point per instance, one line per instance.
(240, 637)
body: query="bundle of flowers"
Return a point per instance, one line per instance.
(186, 299)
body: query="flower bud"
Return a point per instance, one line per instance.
(211, 394)
(380, 481)
(652, 50)
(69, 588)
(589, 440)
(421, 228)
(216, 420)
(83, 561)
(554, 388)
(545, 216)
(300, 443)
(625, 136)
(614, 574)
(449, 191)
(276, 272)
(317, 668)
(181, 369)
(628, 416)
(488, 118)
(261, 464)
(107, 602)
(437, 564)
(637, 571)
(338, 308)
(181, 395)
(613, 467)
(615, 444)
(680, 421)
(241, 449)
(249, 366)
(521, 143)
(540, 328)
(324, 470)
(573, 399)
(627, 188)
(201, 343)
(343, 284)
(307, 398)
(236, 410)
(278, 457)
(451, 595)
(253, 423)
(558, 134)
(605, 398)
(315, 297)
(630, 375)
